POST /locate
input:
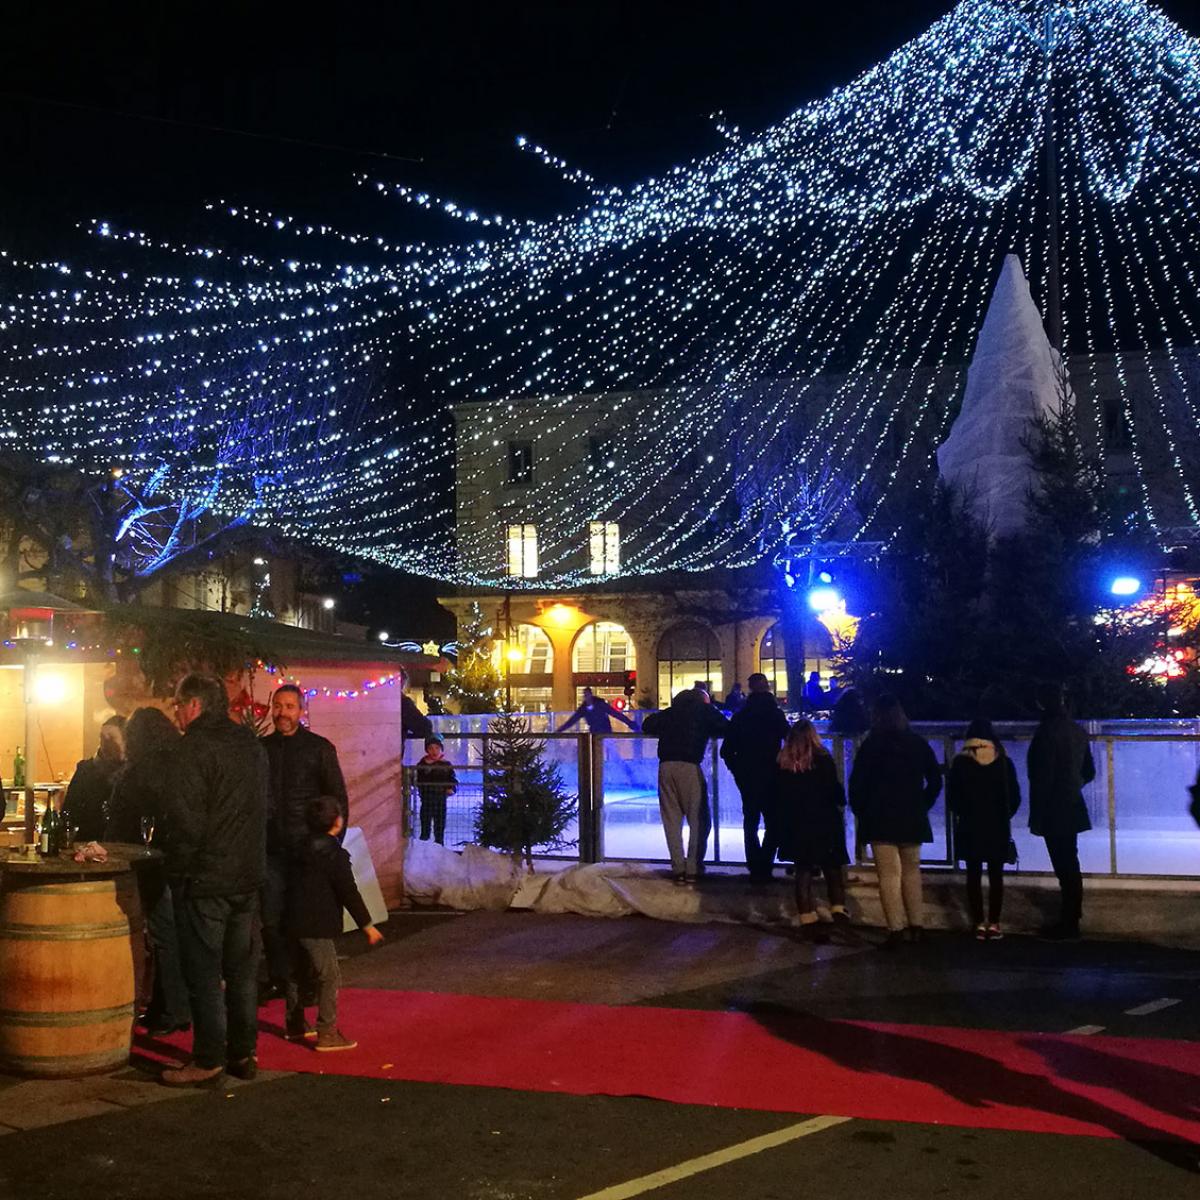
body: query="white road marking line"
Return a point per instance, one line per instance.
(706, 1162)
(1086, 1029)
(1144, 1010)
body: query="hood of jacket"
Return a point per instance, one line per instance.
(981, 750)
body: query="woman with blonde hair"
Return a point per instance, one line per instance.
(812, 827)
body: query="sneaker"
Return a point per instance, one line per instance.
(994, 934)
(299, 1031)
(334, 1039)
(840, 916)
(191, 1075)
(243, 1068)
(981, 933)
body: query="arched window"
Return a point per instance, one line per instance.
(772, 661)
(526, 664)
(601, 658)
(688, 653)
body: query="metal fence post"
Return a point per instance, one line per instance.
(585, 753)
(1109, 759)
(716, 800)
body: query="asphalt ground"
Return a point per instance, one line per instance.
(313, 1135)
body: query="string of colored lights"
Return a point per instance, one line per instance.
(685, 356)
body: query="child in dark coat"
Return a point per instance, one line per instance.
(321, 884)
(435, 781)
(983, 795)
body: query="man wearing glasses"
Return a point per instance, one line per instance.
(214, 842)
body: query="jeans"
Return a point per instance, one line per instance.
(1064, 858)
(758, 801)
(218, 941)
(169, 999)
(275, 944)
(899, 871)
(995, 871)
(683, 795)
(318, 957)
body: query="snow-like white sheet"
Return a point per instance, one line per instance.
(1013, 378)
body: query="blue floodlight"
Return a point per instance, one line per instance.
(825, 577)
(1125, 585)
(822, 599)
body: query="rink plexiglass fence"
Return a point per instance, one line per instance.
(1138, 802)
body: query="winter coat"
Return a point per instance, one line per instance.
(413, 722)
(596, 715)
(751, 745)
(1059, 763)
(139, 791)
(435, 780)
(215, 818)
(893, 785)
(983, 794)
(303, 766)
(321, 884)
(683, 729)
(88, 795)
(811, 814)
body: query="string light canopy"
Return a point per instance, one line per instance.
(806, 297)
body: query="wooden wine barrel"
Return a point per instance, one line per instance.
(70, 947)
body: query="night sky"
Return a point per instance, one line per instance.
(139, 112)
(102, 105)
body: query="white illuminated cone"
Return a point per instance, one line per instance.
(1012, 380)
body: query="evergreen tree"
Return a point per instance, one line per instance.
(524, 801)
(474, 683)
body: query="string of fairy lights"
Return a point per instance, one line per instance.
(759, 343)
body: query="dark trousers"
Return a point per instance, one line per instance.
(169, 998)
(995, 872)
(758, 803)
(433, 814)
(275, 943)
(218, 942)
(315, 957)
(1064, 858)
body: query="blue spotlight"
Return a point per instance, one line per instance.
(1125, 585)
(823, 599)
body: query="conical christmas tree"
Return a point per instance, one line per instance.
(524, 801)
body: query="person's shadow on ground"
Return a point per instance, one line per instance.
(980, 1081)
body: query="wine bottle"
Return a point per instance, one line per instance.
(46, 833)
(18, 769)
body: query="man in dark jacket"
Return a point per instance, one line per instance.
(683, 731)
(1060, 764)
(303, 766)
(750, 750)
(214, 839)
(596, 713)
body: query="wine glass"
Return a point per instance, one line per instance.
(147, 830)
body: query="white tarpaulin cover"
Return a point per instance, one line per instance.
(479, 878)
(1013, 378)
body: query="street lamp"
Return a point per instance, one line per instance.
(31, 630)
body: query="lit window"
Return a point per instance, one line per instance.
(605, 539)
(522, 551)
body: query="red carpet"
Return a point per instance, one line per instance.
(777, 1061)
